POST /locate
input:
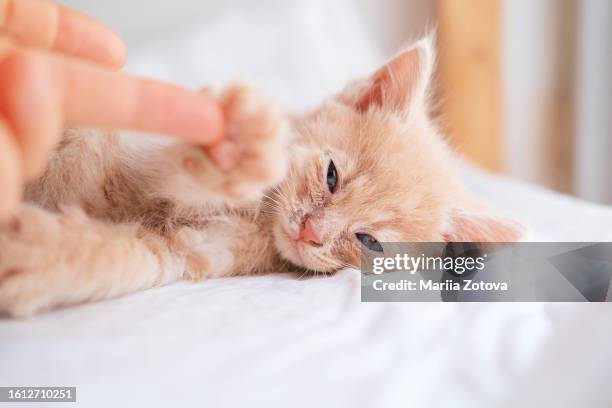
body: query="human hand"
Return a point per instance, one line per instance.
(58, 68)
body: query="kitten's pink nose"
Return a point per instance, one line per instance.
(308, 234)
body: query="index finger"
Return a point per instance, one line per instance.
(111, 99)
(99, 97)
(44, 24)
(91, 95)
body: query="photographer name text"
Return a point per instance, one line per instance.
(465, 285)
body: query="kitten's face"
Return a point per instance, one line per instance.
(360, 180)
(369, 167)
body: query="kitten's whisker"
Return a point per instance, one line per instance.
(273, 205)
(272, 202)
(306, 271)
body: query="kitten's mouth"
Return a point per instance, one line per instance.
(294, 243)
(290, 237)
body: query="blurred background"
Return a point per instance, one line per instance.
(524, 86)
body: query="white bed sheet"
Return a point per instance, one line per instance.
(279, 341)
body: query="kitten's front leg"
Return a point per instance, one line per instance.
(251, 158)
(49, 260)
(229, 247)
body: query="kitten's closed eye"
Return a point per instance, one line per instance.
(332, 177)
(370, 242)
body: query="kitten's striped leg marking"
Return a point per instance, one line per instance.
(49, 260)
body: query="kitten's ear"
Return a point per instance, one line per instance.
(482, 227)
(399, 84)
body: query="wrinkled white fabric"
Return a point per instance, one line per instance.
(279, 341)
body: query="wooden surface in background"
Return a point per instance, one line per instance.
(558, 99)
(469, 35)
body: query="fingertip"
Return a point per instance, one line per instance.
(117, 52)
(87, 38)
(216, 122)
(196, 117)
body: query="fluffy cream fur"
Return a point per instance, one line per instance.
(107, 219)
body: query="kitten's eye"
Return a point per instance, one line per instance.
(370, 242)
(332, 177)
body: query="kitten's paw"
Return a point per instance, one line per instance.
(32, 275)
(253, 156)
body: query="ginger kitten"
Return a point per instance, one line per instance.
(367, 166)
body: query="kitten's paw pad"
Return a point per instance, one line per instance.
(253, 155)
